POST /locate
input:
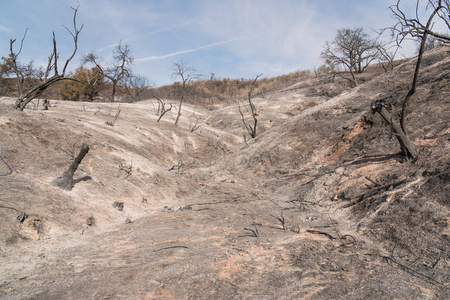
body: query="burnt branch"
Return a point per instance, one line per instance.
(282, 220)
(425, 31)
(373, 192)
(115, 118)
(254, 232)
(27, 97)
(74, 34)
(162, 110)
(321, 232)
(186, 74)
(251, 129)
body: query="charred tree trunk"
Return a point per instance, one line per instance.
(65, 181)
(408, 148)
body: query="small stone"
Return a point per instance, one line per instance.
(340, 170)
(127, 221)
(118, 205)
(328, 182)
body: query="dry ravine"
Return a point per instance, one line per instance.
(320, 205)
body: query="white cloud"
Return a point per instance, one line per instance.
(4, 28)
(282, 31)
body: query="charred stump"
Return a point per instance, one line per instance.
(65, 181)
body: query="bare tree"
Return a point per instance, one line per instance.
(252, 109)
(116, 72)
(353, 49)
(23, 73)
(413, 28)
(135, 87)
(186, 74)
(387, 51)
(46, 78)
(162, 109)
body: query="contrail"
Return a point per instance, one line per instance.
(157, 57)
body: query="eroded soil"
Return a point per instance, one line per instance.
(297, 213)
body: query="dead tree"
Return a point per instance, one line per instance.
(353, 49)
(412, 27)
(251, 129)
(14, 65)
(186, 74)
(387, 53)
(135, 87)
(162, 110)
(52, 65)
(118, 71)
(415, 28)
(65, 181)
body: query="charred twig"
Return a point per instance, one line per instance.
(282, 221)
(336, 230)
(210, 203)
(373, 181)
(8, 207)
(115, 119)
(195, 126)
(411, 270)
(255, 232)
(70, 151)
(374, 191)
(126, 168)
(345, 236)
(6, 164)
(162, 110)
(321, 232)
(178, 166)
(170, 247)
(436, 262)
(22, 217)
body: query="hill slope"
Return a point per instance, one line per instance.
(207, 215)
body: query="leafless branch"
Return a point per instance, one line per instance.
(162, 110)
(282, 220)
(186, 74)
(75, 37)
(255, 232)
(251, 129)
(25, 98)
(8, 166)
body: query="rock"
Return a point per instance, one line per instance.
(328, 182)
(340, 170)
(127, 221)
(118, 205)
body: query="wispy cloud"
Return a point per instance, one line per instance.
(4, 28)
(158, 57)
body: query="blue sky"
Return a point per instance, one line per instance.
(231, 38)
